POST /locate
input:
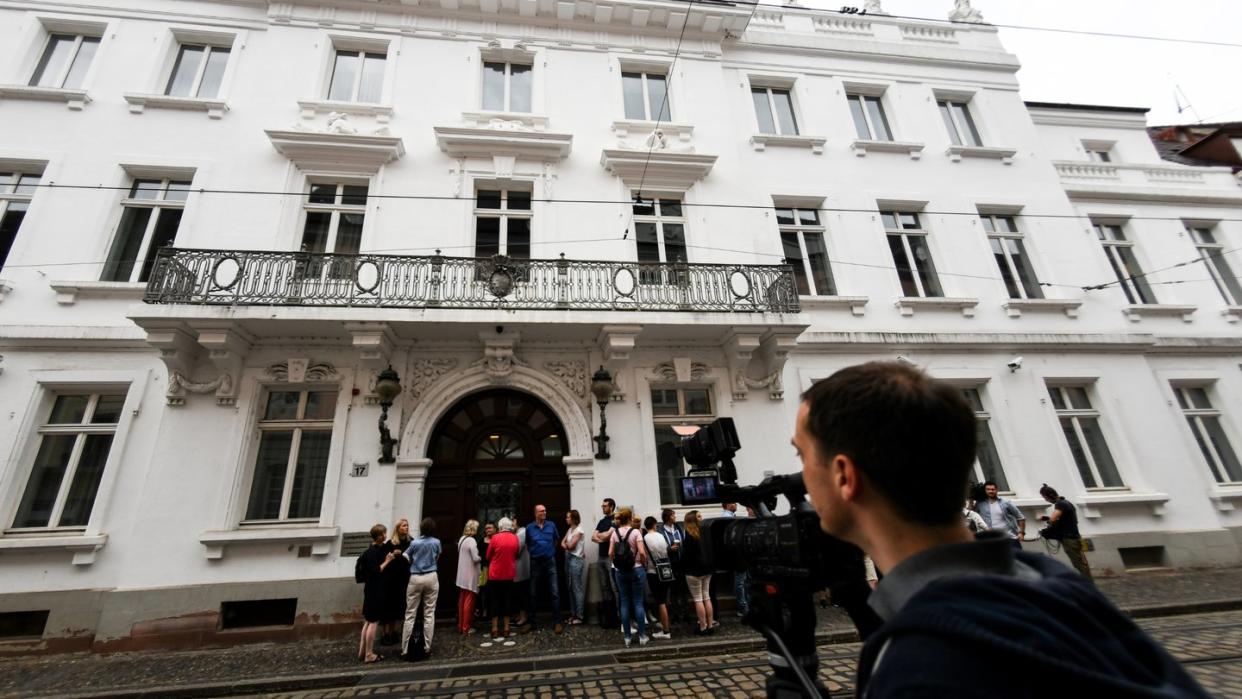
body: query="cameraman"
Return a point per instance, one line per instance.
(886, 455)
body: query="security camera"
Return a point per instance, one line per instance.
(1014, 364)
(500, 330)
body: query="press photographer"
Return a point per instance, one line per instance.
(886, 455)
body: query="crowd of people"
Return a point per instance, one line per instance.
(651, 573)
(986, 510)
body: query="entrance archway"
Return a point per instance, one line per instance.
(495, 453)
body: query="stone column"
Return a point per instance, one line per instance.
(408, 498)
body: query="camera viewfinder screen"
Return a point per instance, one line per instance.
(696, 490)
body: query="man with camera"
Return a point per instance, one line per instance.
(886, 455)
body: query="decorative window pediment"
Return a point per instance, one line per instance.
(657, 169)
(503, 137)
(336, 151)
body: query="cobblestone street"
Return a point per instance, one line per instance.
(1209, 644)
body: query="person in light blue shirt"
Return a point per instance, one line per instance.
(423, 555)
(541, 540)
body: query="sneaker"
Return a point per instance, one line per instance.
(643, 640)
(662, 635)
(715, 624)
(486, 644)
(509, 643)
(498, 639)
(627, 641)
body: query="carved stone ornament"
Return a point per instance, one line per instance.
(339, 123)
(425, 372)
(776, 388)
(872, 7)
(963, 12)
(499, 361)
(669, 371)
(299, 370)
(572, 373)
(179, 385)
(507, 125)
(657, 140)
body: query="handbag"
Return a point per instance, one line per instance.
(664, 570)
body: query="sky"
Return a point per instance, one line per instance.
(1059, 67)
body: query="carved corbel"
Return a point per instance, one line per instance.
(739, 349)
(179, 352)
(375, 343)
(617, 343)
(774, 352)
(226, 348)
(499, 358)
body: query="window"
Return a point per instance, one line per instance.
(65, 61)
(646, 96)
(502, 223)
(1204, 422)
(1213, 255)
(74, 442)
(507, 86)
(1099, 154)
(1120, 253)
(774, 110)
(869, 120)
(150, 217)
(295, 433)
(908, 242)
(198, 71)
(1080, 424)
(335, 213)
(988, 463)
(357, 76)
(1011, 258)
(960, 124)
(802, 239)
(660, 236)
(672, 406)
(16, 190)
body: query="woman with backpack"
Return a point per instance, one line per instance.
(698, 575)
(629, 558)
(467, 576)
(370, 567)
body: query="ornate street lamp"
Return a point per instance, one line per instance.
(601, 386)
(387, 388)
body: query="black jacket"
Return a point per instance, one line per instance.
(1003, 638)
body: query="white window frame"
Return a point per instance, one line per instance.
(508, 62)
(972, 124)
(1100, 151)
(659, 219)
(983, 416)
(680, 419)
(10, 194)
(1195, 415)
(335, 209)
(79, 39)
(770, 88)
(504, 213)
(1083, 444)
(156, 205)
(1112, 237)
(196, 84)
(1213, 259)
(296, 425)
(362, 53)
(801, 230)
(44, 387)
(991, 219)
(905, 234)
(643, 73)
(863, 96)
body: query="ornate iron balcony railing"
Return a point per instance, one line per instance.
(264, 278)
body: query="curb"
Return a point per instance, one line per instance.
(460, 669)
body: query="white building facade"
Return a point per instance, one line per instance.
(221, 220)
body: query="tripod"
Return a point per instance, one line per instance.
(784, 612)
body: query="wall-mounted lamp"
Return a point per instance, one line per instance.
(601, 386)
(387, 388)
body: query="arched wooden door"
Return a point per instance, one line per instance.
(496, 453)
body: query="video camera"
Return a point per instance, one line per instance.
(787, 557)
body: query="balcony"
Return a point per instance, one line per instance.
(266, 278)
(1178, 184)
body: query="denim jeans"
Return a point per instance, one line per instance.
(543, 574)
(741, 591)
(574, 568)
(632, 587)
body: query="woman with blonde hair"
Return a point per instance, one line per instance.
(629, 558)
(396, 578)
(468, 560)
(698, 574)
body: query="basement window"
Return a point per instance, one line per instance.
(23, 625)
(258, 612)
(1143, 558)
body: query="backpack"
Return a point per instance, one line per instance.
(360, 568)
(623, 555)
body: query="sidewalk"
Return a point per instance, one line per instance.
(275, 667)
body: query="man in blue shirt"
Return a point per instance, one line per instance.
(542, 540)
(423, 554)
